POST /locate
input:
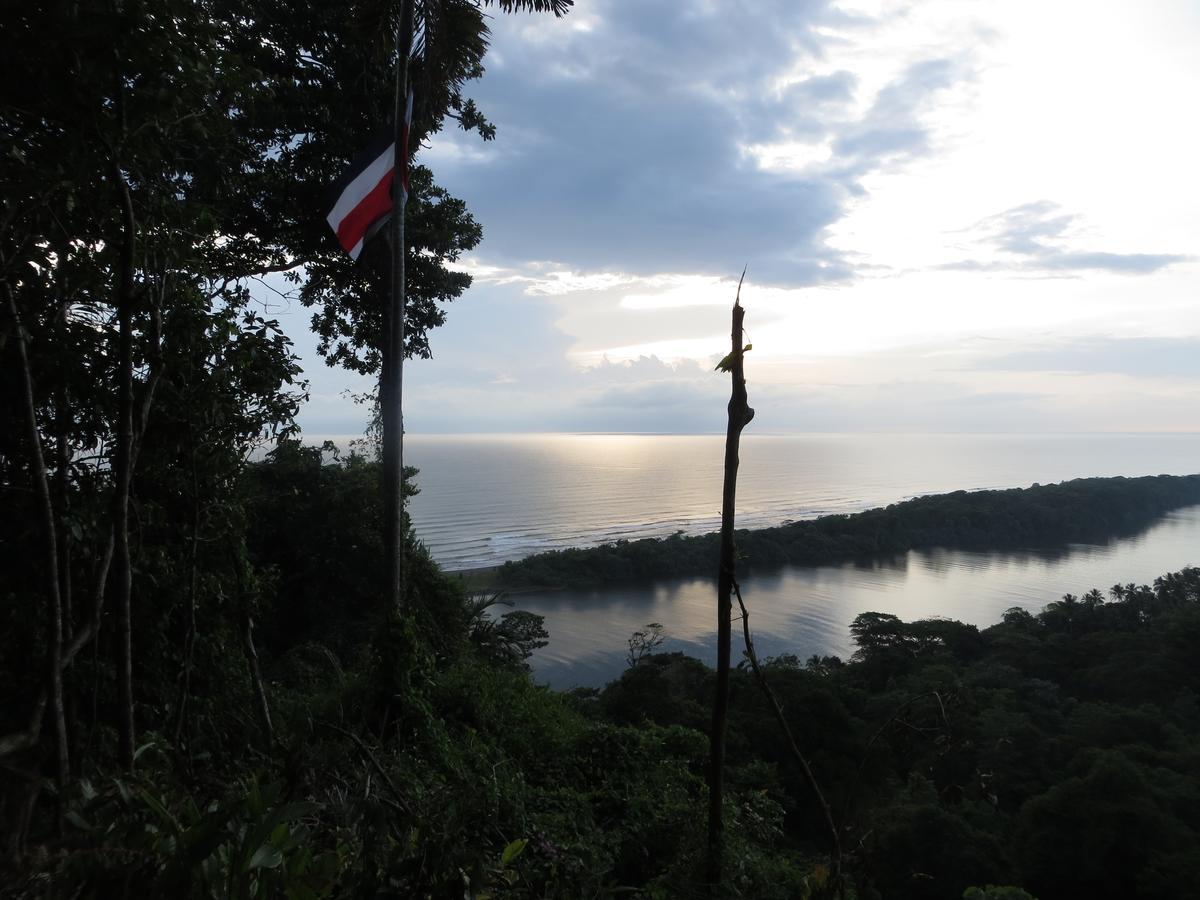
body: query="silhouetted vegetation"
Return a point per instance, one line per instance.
(1054, 751)
(1037, 517)
(202, 691)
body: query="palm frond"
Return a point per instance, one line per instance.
(558, 7)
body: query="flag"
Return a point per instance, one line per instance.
(361, 199)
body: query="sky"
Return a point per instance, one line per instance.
(954, 217)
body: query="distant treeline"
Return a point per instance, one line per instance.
(1041, 516)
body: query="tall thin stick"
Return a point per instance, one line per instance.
(123, 470)
(392, 389)
(777, 709)
(740, 415)
(54, 617)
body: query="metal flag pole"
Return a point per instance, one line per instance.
(392, 413)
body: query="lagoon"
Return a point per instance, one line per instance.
(489, 498)
(808, 609)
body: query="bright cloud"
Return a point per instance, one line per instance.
(951, 215)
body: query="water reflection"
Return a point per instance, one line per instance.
(804, 610)
(897, 563)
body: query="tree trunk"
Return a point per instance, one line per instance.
(263, 705)
(189, 639)
(62, 483)
(256, 680)
(739, 416)
(50, 560)
(79, 638)
(62, 480)
(122, 475)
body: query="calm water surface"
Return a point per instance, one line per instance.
(489, 498)
(806, 610)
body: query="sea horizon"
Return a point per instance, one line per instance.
(488, 498)
(319, 437)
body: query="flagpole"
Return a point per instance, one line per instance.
(393, 417)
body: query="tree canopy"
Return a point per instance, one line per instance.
(199, 694)
(161, 163)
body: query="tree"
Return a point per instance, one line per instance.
(509, 640)
(103, 223)
(644, 642)
(323, 71)
(740, 414)
(874, 632)
(159, 159)
(330, 73)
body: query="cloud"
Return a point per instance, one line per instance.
(644, 395)
(1146, 357)
(834, 90)
(639, 133)
(1033, 237)
(892, 128)
(501, 365)
(648, 150)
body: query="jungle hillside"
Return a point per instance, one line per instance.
(206, 689)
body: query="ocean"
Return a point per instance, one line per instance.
(489, 498)
(486, 499)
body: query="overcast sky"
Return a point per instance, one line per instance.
(955, 216)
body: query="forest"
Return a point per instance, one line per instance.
(203, 690)
(1043, 517)
(1051, 753)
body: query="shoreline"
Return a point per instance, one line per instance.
(484, 579)
(1034, 517)
(1041, 515)
(476, 579)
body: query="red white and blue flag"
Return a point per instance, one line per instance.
(362, 196)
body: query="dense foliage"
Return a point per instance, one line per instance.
(316, 762)
(201, 693)
(1041, 516)
(1057, 751)
(160, 162)
(1052, 751)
